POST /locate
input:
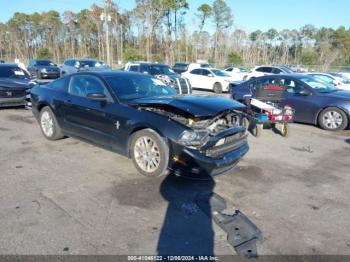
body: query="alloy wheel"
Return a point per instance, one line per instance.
(47, 124)
(147, 154)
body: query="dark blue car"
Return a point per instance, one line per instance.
(140, 117)
(315, 102)
(15, 85)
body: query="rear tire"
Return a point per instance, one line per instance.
(48, 124)
(333, 119)
(149, 153)
(217, 88)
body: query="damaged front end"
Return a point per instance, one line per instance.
(209, 144)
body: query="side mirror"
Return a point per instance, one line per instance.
(336, 83)
(304, 92)
(97, 97)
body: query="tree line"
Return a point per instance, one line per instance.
(156, 30)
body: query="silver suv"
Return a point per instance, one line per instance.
(71, 66)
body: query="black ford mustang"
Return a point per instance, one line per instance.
(142, 118)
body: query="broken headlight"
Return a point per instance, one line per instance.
(194, 137)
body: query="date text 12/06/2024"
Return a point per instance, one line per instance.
(172, 258)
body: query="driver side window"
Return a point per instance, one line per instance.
(276, 71)
(83, 85)
(292, 86)
(196, 71)
(205, 72)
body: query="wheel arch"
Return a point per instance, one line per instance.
(41, 105)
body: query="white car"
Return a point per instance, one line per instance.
(337, 81)
(236, 73)
(344, 74)
(267, 70)
(209, 78)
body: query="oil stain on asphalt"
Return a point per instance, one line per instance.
(140, 192)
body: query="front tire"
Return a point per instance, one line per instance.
(149, 153)
(217, 88)
(333, 119)
(48, 124)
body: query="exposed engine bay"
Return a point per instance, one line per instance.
(214, 125)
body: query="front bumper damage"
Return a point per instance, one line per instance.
(210, 160)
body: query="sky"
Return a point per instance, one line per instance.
(249, 15)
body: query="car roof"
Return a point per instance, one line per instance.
(8, 65)
(81, 59)
(110, 73)
(274, 66)
(296, 75)
(318, 73)
(156, 64)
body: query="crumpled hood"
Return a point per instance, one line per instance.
(191, 105)
(15, 83)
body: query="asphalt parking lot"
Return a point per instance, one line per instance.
(69, 197)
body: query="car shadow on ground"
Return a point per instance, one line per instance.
(186, 230)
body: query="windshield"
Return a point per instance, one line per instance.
(287, 70)
(345, 80)
(13, 72)
(219, 73)
(91, 63)
(205, 65)
(44, 63)
(317, 85)
(341, 77)
(130, 87)
(160, 70)
(181, 66)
